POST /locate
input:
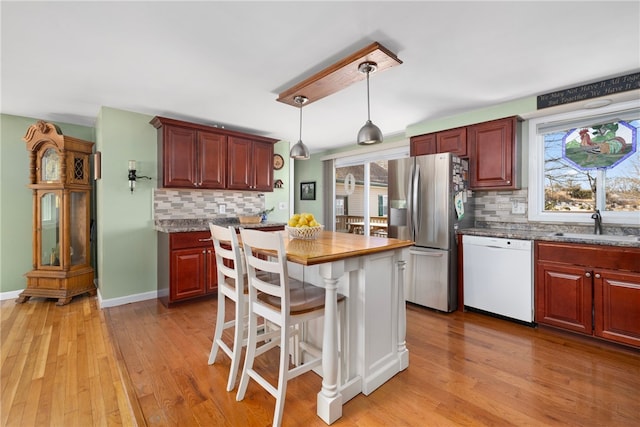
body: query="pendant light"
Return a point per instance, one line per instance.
(369, 133)
(299, 151)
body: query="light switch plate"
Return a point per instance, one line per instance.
(517, 207)
(222, 209)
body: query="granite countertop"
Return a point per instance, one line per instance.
(555, 236)
(199, 224)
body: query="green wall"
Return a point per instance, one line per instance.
(280, 195)
(16, 205)
(126, 238)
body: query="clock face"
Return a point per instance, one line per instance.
(50, 165)
(278, 162)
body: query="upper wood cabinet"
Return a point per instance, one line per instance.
(196, 156)
(422, 144)
(452, 140)
(250, 165)
(493, 155)
(491, 148)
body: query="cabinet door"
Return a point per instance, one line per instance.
(212, 160)
(422, 145)
(179, 157)
(262, 166)
(212, 271)
(250, 165)
(616, 300)
(187, 273)
(454, 141)
(492, 154)
(240, 176)
(563, 297)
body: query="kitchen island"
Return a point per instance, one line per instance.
(370, 272)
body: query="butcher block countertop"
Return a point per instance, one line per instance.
(331, 246)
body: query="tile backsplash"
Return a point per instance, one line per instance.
(189, 204)
(497, 206)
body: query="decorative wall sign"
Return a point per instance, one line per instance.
(600, 146)
(588, 91)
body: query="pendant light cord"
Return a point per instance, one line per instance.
(300, 138)
(368, 101)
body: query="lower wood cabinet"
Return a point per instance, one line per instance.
(590, 289)
(186, 266)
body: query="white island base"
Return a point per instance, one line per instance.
(373, 324)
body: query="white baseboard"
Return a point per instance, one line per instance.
(10, 294)
(113, 302)
(102, 303)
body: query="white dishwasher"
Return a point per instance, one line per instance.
(498, 276)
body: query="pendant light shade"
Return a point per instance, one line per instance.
(299, 151)
(369, 133)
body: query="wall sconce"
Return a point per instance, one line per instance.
(132, 175)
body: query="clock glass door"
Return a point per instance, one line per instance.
(79, 227)
(50, 226)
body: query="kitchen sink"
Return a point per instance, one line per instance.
(607, 237)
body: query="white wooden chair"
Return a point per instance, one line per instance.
(232, 285)
(278, 303)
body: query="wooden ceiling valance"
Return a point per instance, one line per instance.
(340, 75)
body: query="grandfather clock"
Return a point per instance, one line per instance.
(59, 178)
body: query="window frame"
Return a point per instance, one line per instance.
(536, 211)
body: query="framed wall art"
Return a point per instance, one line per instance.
(308, 190)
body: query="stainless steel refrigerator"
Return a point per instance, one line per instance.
(429, 199)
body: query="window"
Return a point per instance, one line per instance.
(582, 161)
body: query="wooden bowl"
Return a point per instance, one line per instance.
(250, 219)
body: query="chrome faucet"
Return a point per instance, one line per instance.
(598, 222)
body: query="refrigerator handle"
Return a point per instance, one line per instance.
(415, 205)
(410, 202)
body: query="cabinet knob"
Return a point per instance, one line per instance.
(204, 251)
(587, 274)
(597, 275)
(508, 182)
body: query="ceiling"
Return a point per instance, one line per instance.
(225, 63)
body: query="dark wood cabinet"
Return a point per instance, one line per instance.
(452, 140)
(250, 165)
(192, 158)
(422, 144)
(616, 302)
(590, 289)
(563, 297)
(493, 155)
(197, 156)
(491, 147)
(186, 266)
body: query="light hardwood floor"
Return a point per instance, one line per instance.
(59, 367)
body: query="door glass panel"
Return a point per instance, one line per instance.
(354, 208)
(78, 228)
(50, 229)
(350, 199)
